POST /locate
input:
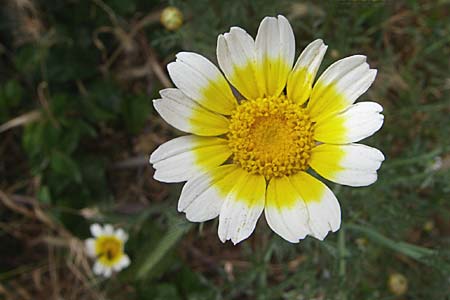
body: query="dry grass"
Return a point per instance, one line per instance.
(52, 263)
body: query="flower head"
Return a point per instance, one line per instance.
(107, 247)
(251, 153)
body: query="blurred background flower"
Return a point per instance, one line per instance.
(107, 247)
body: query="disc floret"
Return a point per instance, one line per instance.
(271, 136)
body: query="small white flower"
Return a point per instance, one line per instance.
(107, 247)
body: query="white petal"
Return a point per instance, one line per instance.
(203, 196)
(275, 39)
(339, 86)
(184, 157)
(275, 53)
(242, 208)
(237, 59)
(108, 229)
(311, 57)
(186, 115)
(301, 78)
(123, 263)
(96, 230)
(98, 268)
(352, 125)
(121, 235)
(200, 80)
(107, 271)
(352, 164)
(240, 46)
(90, 247)
(323, 207)
(285, 211)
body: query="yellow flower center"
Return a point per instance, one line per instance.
(271, 136)
(109, 249)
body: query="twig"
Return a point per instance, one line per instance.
(53, 272)
(11, 205)
(5, 292)
(125, 38)
(151, 18)
(112, 16)
(159, 72)
(21, 291)
(132, 162)
(24, 119)
(98, 42)
(42, 91)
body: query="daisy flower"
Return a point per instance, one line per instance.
(107, 247)
(260, 126)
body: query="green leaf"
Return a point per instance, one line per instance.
(33, 139)
(161, 291)
(123, 7)
(13, 93)
(65, 165)
(135, 111)
(103, 101)
(28, 58)
(69, 62)
(44, 195)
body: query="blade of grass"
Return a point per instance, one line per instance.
(172, 236)
(410, 250)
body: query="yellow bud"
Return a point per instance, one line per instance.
(171, 18)
(361, 242)
(398, 284)
(334, 53)
(428, 226)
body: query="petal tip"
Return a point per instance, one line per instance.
(373, 74)
(237, 29)
(281, 17)
(156, 104)
(222, 238)
(154, 157)
(170, 67)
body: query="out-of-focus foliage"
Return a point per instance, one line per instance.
(76, 82)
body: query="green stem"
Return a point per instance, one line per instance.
(342, 253)
(342, 262)
(413, 160)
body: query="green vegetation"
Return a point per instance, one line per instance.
(76, 127)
